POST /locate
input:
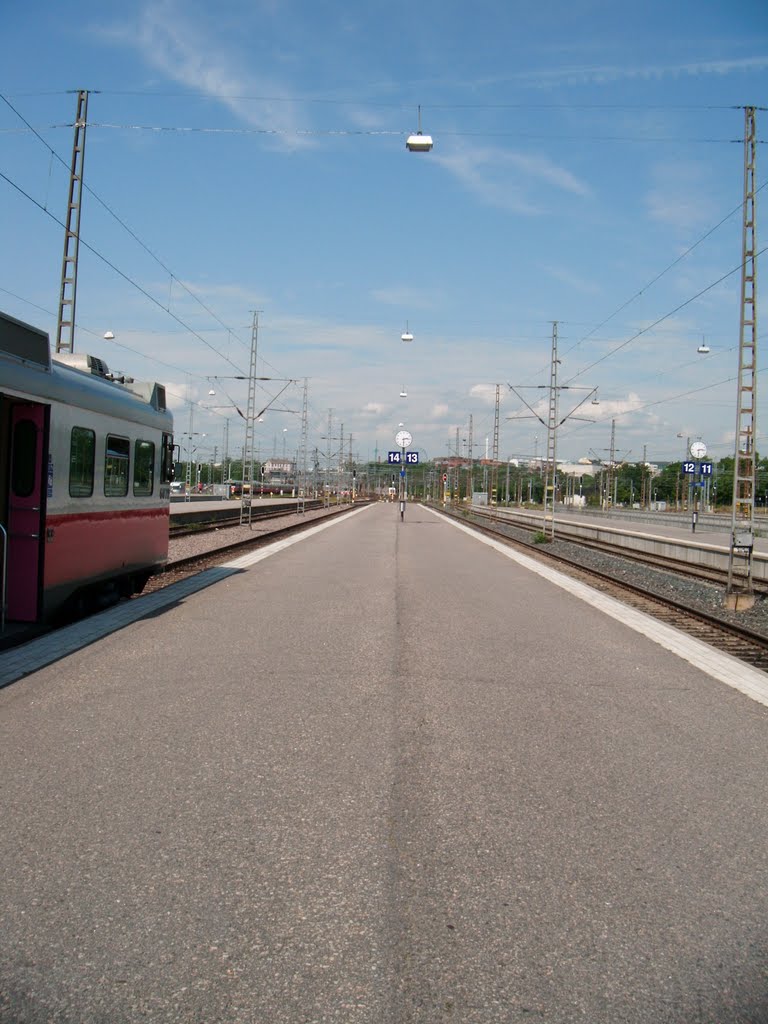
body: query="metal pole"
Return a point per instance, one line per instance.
(65, 329)
(740, 593)
(551, 471)
(188, 475)
(250, 426)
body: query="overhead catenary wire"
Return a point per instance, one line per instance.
(134, 351)
(399, 105)
(121, 273)
(276, 131)
(661, 319)
(663, 401)
(125, 227)
(113, 341)
(397, 132)
(363, 132)
(230, 331)
(662, 273)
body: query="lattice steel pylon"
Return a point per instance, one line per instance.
(455, 476)
(301, 468)
(470, 462)
(65, 328)
(327, 484)
(609, 495)
(739, 593)
(495, 453)
(340, 485)
(643, 480)
(552, 424)
(250, 424)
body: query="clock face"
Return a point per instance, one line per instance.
(403, 438)
(698, 449)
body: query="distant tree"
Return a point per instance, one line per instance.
(761, 484)
(722, 485)
(666, 484)
(589, 488)
(630, 483)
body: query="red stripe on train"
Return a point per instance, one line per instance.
(94, 515)
(93, 545)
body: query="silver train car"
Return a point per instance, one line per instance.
(86, 463)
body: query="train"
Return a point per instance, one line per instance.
(86, 464)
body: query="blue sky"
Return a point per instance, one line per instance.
(256, 150)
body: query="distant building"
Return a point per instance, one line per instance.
(584, 467)
(279, 470)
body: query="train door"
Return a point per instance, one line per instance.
(26, 510)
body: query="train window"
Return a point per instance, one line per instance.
(24, 458)
(143, 468)
(116, 466)
(82, 460)
(167, 466)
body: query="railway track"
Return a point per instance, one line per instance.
(683, 568)
(181, 567)
(257, 515)
(707, 574)
(739, 641)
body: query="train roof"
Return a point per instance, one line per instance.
(77, 379)
(27, 343)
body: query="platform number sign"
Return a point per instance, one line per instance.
(395, 458)
(702, 468)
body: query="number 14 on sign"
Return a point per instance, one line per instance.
(395, 458)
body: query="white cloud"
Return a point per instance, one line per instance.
(618, 407)
(574, 281)
(176, 396)
(171, 43)
(537, 166)
(487, 393)
(506, 179)
(608, 73)
(317, 334)
(676, 207)
(405, 296)
(679, 195)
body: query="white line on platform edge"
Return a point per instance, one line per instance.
(27, 658)
(726, 669)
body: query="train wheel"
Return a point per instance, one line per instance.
(139, 581)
